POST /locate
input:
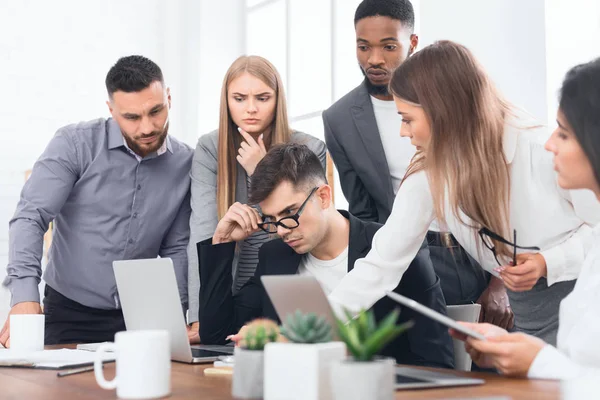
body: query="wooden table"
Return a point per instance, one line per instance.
(189, 382)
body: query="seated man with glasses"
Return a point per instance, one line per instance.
(293, 202)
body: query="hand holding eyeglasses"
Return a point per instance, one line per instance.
(237, 224)
(525, 269)
(522, 277)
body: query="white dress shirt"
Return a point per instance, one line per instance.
(544, 215)
(578, 350)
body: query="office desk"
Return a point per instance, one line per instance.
(189, 382)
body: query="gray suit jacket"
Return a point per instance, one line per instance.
(355, 146)
(203, 220)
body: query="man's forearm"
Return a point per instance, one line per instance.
(23, 273)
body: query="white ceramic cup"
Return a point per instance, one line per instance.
(27, 332)
(143, 364)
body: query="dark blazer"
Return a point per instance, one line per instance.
(353, 140)
(222, 313)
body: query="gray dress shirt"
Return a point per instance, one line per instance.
(107, 205)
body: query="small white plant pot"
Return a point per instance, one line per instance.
(297, 371)
(248, 374)
(359, 380)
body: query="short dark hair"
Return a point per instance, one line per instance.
(580, 104)
(401, 10)
(132, 74)
(291, 162)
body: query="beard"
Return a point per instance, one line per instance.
(142, 149)
(374, 90)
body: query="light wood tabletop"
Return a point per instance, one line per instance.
(189, 382)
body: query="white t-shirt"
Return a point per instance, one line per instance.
(398, 150)
(329, 273)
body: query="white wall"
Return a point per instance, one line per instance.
(506, 36)
(526, 46)
(54, 56)
(572, 37)
(221, 33)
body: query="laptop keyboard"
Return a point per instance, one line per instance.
(201, 353)
(400, 379)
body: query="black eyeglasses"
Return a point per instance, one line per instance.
(291, 222)
(485, 232)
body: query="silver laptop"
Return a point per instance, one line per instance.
(289, 293)
(150, 300)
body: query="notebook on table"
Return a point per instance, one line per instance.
(50, 359)
(93, 346)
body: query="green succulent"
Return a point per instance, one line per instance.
(306, 328)
(258, 333)
(364, 338)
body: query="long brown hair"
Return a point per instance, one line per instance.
(230, 139)
(465, 157)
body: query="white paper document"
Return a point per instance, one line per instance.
(50, 359)
(92, 346)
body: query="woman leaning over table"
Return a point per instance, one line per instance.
(480, 170)
(253, 117)
(576, 148)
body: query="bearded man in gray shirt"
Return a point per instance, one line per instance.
(117, 189)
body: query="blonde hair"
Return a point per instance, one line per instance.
(465, 157)
(230, 139)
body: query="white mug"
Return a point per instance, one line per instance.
(143, 364)
(27, 332)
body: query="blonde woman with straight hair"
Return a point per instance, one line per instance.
(253, 117)
(480, 170)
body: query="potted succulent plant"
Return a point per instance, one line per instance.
(364, 375)
(299, 369)
(249, 358)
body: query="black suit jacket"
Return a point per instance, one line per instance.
(353, 140)
(222, 313)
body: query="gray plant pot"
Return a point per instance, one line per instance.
(248, 374)
(359, 380)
